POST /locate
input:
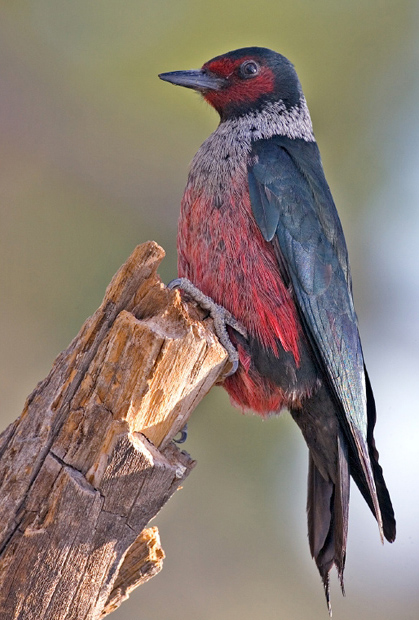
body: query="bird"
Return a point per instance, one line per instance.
(259, 236)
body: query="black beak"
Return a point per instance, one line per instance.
(195, 78)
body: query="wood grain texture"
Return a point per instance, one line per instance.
(142, 562)
(91, 459)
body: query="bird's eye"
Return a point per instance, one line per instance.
(249, 69)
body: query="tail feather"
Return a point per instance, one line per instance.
(327, 515)
(342, 488)
(334, 456)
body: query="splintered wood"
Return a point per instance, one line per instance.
(91, 459)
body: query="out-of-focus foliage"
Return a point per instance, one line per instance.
(94, 153)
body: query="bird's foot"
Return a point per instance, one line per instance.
(220, 316)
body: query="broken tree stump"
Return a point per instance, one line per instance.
(91, 459)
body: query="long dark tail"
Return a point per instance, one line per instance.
(333, 458)
(327, 515)
(328, 484)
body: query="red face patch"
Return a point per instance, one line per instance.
(239, 89)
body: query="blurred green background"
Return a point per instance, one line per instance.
(94, 154)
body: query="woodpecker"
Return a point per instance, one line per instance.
(260, 235)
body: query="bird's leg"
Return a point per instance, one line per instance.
(220, 316)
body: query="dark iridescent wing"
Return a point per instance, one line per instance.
(294, 209)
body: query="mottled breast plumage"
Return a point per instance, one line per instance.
(219, 234)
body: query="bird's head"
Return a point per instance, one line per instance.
(242, 81)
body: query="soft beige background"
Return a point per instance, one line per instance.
(94, 153)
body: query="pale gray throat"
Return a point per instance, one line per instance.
(226, 150)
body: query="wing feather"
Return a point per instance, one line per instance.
(288, 192)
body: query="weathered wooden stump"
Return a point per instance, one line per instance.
(91, 459)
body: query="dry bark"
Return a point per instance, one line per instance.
(91, 459)
(142, 562)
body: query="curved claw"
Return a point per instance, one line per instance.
(220, 316)
(233, 370)
(183, 435)
(176, 283)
